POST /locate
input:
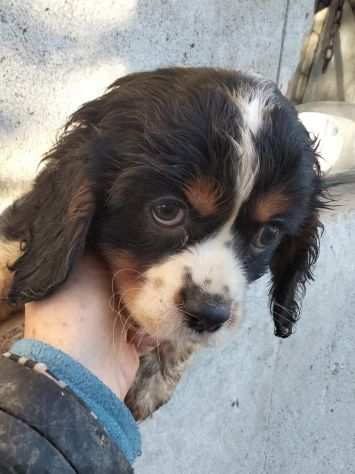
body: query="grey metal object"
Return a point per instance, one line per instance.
(333, 125)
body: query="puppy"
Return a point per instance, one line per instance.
(190, 184)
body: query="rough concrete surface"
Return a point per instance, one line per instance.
(255, 405)
(297, 21)
(55, 55)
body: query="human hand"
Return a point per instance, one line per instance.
(78, 319)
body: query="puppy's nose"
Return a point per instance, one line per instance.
(206, 316)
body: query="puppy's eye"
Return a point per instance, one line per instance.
(169, 212)
(268, 235)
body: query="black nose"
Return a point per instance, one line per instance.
(206, 316)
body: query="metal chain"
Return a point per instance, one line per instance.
(329, 49)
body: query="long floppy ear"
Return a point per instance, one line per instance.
(51, 222)
(291, 268)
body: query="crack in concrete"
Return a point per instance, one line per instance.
(283, 37)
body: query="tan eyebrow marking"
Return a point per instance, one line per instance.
(270, 205)
(204, 194)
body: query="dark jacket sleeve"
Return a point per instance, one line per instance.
(45, 428)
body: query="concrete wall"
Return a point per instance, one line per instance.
(54, 55)
(255, 405)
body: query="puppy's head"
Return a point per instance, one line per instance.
(191, 183)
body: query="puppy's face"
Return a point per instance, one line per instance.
(191, 183)
(214, 177)
(177, 269)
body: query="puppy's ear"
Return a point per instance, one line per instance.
(51, 222)
(291, 268)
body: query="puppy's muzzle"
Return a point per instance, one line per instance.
(204, 312)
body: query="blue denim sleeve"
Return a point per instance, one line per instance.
(110, 411)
